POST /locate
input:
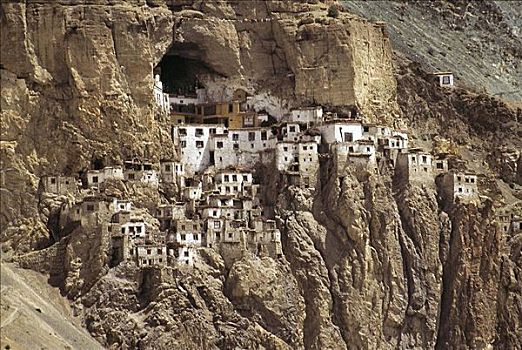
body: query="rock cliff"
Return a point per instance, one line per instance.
(368, 261)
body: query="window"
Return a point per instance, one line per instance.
(199, 132)
(466, 179)
(251, 136)
(149, 251)
(195, 227)
(182, 132)
(424, 159)
(413, 159)
(196, 236)
(158, 250)
(460, 189)
(90, 207)
(212, 131)
(230, 108)
(186, 254)
(446, 80)
(305, 148)
(245, 177)
(230, 235)
(167, 167)
(235, 137)
(472, 180)
(183, 237)
(226, 178)
(251, 145)
(236, 188)
(264, 136)
(234, 177)
(292, 128)
(368, 149)
(160, 260)
(53, 180)
(440, 165)
(199, 144)
(123, 230)
(215, 213)
(366, 128)
(219, 144)
(95, 179)
(285, 149)
(183, 144)
(217, 224)
(425, 169)
(350, 149)
(236, 146)
(459, 178)
(348, 137)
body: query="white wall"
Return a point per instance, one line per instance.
(194, 149)
(307, 115)
(335, 132)
(182, 100)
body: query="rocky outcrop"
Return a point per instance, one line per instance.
(77, 80)
(471, 278)
(368, 262)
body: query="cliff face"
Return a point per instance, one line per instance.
(77, 80)
(368, 261)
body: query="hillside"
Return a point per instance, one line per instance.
(480, 41)
(321, 190)
(34, 314)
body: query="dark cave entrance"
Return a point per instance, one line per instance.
(180, 69)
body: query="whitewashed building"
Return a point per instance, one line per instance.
(308, 115)
(341, 131)
(240, 147)
(97, 177)
(121, 205)
(233, 182)
(189, 236)
(61, 185)
(183, 100)
(298, 162)
(416, 166)
(161, 98)
(445, 79)
(146, 255)
(172, 172)
(460, 185)
(192, 143)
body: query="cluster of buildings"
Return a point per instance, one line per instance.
(227, 155)
(509, 219)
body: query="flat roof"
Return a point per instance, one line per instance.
(342, 121)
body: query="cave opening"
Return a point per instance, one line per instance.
(181, 68)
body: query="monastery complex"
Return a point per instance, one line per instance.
(227, 158)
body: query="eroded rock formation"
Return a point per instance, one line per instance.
(368, 261)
